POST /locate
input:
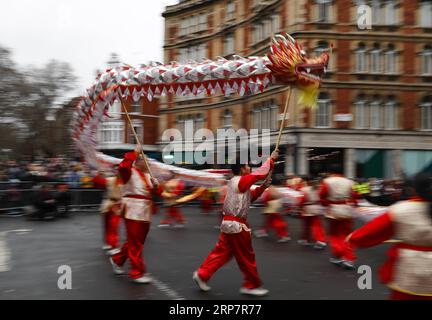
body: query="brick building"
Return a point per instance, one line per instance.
(115, 135)
(374, 114)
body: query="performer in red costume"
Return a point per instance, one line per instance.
(408, 272)
(337, 195)
(206, 201)
(295, 182)
(273, 220)
(111, 211)
(173, 189)
(313, 231)
(235, 237)
(138, 191)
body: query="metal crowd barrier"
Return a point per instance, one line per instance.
(18, 201)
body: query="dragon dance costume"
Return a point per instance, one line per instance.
(313, 231)
(137, 193)
(110, 208)
(173, 189)
(337, 195)
(235, 237)
(272, 215)
(408, 271)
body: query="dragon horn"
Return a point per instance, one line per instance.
(290, 38)
(271, 50)
(282, 38)
(274, 41)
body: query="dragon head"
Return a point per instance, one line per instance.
(290, 66)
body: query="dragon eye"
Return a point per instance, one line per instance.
(303, 53)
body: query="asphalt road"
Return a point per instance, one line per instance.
(32, 251)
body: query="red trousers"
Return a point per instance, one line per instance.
(313, 229)
(132, 249)
(173, 214)
(397, 295)
(274, 221)
(238, 245)
(111, 228)
(339, 230)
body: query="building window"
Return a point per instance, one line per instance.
(182, 56)
(426, 61)
(256, 118)
(322, 118)
(136, 107)
(265, 115)
(258, 32)
(115, 111)
(230, 11)
(426, 14)
(323, 10)
(112, 132)
(199, 122)
(415, 161)
(180, 124)
(267, 27)
(383, 12)
(390, 59)
(275, 23)
(202, 22)
(360, 54)
(227, 119)
(229, 45)
(274, 112)
(375, 59)
(376, 10)
(137, 125)
(389, 12)
(361, 112)
(426, 113)
(195, 53)
(183, 27)
(375, 113)
(202, 51)
(193, 24)
(390, 114)
(191, 121)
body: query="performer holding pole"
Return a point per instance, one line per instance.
(139, 188)
(235, 237)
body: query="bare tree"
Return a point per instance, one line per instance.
(28, 99)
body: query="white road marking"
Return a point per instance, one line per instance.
(5, 253)
(163, 287)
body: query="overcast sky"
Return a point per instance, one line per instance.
(83, 32)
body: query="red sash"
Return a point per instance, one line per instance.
(386, 271)
(237, 219)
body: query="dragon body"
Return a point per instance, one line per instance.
(286, 63)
